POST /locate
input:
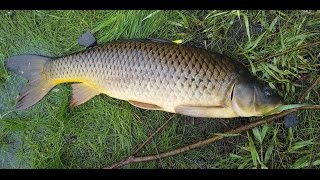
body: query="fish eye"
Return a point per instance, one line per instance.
(267, 91)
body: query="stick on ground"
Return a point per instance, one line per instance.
(133, 159)
(316, 82)
(144, 143)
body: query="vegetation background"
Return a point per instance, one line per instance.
(105, 130)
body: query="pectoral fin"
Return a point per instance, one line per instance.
(81, 93)
(205, 111)
(145, 105)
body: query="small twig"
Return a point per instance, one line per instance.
(318, 96)
(287, 51)
(303, 78)
(316, 82)
(152, 135)
(144, 143)
(133, 159)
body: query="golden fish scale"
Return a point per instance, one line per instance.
(163, 74)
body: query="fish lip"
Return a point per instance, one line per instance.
(280, 102)
(277, 101)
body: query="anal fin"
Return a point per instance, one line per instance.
(144, 105)
(206, 111)
(81, 93)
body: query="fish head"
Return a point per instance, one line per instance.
(251, 97)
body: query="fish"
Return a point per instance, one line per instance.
(149, 74)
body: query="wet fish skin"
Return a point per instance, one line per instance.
(156, 73)
(151, 75)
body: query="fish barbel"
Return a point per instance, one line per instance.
(150, 75)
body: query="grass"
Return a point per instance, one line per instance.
(104, 130)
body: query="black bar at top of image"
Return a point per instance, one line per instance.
(161, 4)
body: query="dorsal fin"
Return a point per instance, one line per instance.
(159, 40)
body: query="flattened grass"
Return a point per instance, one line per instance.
(104, 130)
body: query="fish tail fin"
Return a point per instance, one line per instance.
(32, 68)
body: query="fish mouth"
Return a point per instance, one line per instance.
(279, 102)
(277, 105)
